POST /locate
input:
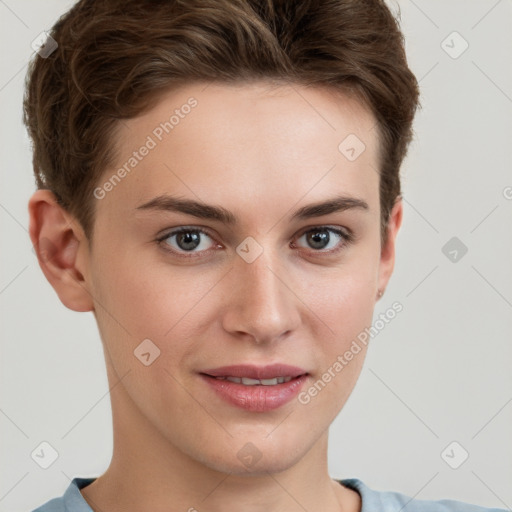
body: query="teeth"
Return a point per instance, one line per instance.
(250, 382)
(255, 382)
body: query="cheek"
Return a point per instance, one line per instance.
(347, 314)
(139, 300)
(344, 298)
(344, 304)
(145, 296)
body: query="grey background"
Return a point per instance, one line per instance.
(439, 372)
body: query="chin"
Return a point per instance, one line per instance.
(275, 464)
(256, 456)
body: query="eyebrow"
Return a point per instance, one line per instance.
(212, 212)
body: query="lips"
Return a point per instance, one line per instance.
(256, 388)
(253, 372)
(246, 381)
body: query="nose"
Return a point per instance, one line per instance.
(262, 303)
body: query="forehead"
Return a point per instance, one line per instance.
(246, 142)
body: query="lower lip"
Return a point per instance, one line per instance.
(257, 398)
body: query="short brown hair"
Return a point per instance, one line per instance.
(114, 58)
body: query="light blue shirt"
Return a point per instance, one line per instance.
(371, 501)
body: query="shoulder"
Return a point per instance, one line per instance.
(390, 501)
(71, 501)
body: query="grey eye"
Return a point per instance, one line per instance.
(186, 240)
(320, 238)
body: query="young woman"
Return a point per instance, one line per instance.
(218, 182)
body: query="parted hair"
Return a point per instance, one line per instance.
(115, 58)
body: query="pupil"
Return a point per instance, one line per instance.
(319, 237)
(188, 238)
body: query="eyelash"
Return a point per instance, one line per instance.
(346, 236)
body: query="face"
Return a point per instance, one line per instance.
(263, 286)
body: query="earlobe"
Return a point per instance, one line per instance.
(57, 239)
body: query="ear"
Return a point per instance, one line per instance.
(387, 256)
(61, 248)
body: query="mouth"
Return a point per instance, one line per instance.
(256, 389)
(247, 381)
(251, 375)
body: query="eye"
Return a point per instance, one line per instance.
(185, 240)
(321, 239)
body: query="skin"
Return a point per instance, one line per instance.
(261, 152)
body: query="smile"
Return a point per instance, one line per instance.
(256, 395)
(246, 381)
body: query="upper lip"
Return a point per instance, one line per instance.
(256, 372)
